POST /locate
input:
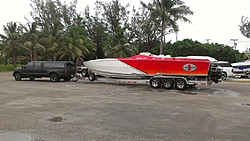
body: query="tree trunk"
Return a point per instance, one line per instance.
(14, 57)
(31, 54)
(34, 55)
(54, 56)
(162, 34)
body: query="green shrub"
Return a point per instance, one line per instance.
(8, 67)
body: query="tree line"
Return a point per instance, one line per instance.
(57, 31)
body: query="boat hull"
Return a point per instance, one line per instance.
(241, 66)
(142, 66)
(113, 68)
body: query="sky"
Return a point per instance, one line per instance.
(214, 20)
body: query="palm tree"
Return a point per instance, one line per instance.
(76, 44)
(119, 45)
(11, 41)
(245, 27)
(31, 40)
(168, 12)
(55, 38)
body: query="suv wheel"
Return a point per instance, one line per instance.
(18, 76)
(54, 77)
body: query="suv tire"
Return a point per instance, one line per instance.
(18, 76)
(54, 77)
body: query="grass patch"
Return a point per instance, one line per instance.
(8, 67)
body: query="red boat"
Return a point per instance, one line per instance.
(147, 65)
(168, 65)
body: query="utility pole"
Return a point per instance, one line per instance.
(235, 45)
(235, 42)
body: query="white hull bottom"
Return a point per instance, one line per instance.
(113, 68)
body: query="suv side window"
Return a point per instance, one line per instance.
(38, 65)
(53, 65)
(225, 65)
(48, 65)
(29, 65)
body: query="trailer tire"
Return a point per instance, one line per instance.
(92, 77)
(180, 84)
(168, 84)
(84, 73)
(155, 83)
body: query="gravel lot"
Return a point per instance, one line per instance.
(81, 111)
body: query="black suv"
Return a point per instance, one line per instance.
(55, 70)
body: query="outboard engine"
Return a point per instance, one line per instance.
(215, 72)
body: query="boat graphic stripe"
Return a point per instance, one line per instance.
(170, 66)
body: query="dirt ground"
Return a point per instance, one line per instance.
(41, 110)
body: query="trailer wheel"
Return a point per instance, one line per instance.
(168, 83)
(84, 72)
(92, 77)
(155, 83)
(180, 84)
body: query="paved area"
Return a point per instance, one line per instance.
(81, 111)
